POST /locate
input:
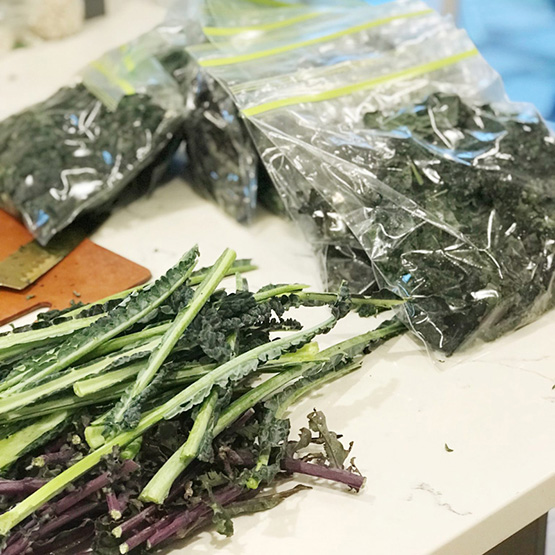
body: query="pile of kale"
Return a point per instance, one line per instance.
(205, 438)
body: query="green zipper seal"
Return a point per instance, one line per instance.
(230, 31)
(368, 84)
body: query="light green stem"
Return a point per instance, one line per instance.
(43, 335)
(104, 329)
(279, 290)
(356, 300)
(299, 393)
(174, 333)
(12, 446)
(126, 340)
(57, 385)
(254, 396)
(157, 490)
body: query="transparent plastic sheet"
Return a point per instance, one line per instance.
(77, 150)
(331, 38)
(224, 162)
(447, 186)
(241, 23)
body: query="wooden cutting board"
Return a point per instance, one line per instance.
(87, 274)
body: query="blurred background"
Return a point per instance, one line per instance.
(517, 37)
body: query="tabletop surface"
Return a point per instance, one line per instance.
(493, 407)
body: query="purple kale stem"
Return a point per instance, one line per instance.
(334, 474)
(186, 519)
(136, 520)
(151, 510)
(179, 523)
(123, 500)
(65, 454)
(243, 419)
(206, 519)
(91, 487)
(114, 507)
(23, 530)
(59, 522)
(57, 444)
(20, 487)
(17, 548)
(22, 544)
(77, 538)
(73, 498)
(141, 537)
(241, 457)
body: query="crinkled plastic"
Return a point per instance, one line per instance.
(224, 162)
(418, 160)
(241, 23)
(331, 38)
(77, 150)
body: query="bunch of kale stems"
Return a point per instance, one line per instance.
(134, 422)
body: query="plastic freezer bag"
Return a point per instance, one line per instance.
(332, 38)
(77, 150)
(241, 23)
(224, 162)
(447, 187)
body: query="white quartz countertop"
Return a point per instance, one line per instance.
(494, 407)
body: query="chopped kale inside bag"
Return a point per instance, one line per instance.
(342, 255)
(488, 175)
(223, 161)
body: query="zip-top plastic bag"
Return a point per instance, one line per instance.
(224, 162)
(447, 186)
(333, 37)
(241, 23)
(77, 150)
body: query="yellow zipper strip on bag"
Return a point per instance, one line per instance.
(368, 84)
(126, 87)
(294, 46)
(230, 31)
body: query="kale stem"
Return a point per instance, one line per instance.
(196, 278)
(159, 486)
(356, 300)
(20, 487)
(15, 342)
(254, 396)
(172, 335)
(57, 385)
(279, 290)
(338, 355)
(240, 366)
(130, 311)
(346, 477)
(120, 343)
(15, 445)
(300, 392)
